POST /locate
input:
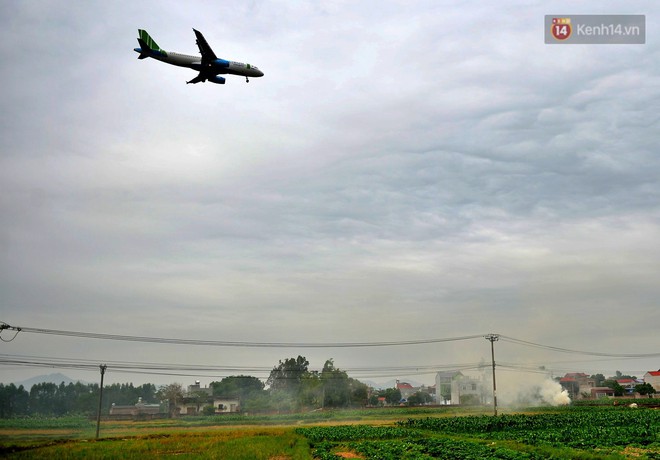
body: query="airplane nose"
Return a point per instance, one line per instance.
(261, 74)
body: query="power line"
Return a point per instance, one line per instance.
(579, 352)
(220, 343)
(204, 370)
(4, 326)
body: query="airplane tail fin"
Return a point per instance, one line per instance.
(148, 47)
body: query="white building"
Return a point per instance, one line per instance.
(653, 377)
(455, 388)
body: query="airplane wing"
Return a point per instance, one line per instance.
(207, 53)
(198, 78)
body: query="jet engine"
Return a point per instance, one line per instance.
(218, 80)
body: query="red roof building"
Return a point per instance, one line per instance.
(578, 384)
(405, 388)
(653, 377)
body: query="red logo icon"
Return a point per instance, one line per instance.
(561, 28)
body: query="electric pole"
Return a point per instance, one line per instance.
(493, 338)
(103, 367)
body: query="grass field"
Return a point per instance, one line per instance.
(448, 433)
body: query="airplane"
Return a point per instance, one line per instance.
(209, 65)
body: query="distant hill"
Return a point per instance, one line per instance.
(50, 378)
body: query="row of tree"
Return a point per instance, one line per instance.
(291, 386)
(75, 398)
(294, 386)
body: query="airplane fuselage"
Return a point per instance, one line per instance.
(208, 64)
(219, 66)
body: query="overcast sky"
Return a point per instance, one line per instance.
(403, 171)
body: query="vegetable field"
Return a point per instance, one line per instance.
(571, 433)
(409, 434)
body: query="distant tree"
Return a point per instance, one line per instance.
(258, 402)
(122, 394)
(392, 395)
(311, 391)
(208, 410)
(199, 398)
(336, 387)
(418, 398)
(50, 399)
(613, 384)
(14, 401)
(80, 398)
(359, 392)
(645, 389)
(43, 399)
(171, 393)
(287, 376)
(618, 376)
(147, 392)
(239, 386)
(248, 390)
(88, 399)
(291, 385)
(598, 379)
(283, 401)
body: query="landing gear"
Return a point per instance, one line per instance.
(247, 80)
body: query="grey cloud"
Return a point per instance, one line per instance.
(401, 171)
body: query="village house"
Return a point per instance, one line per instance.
(602, 392)
(139, 410)
(629, 385)
(193, 406)
(197, 388)
(577, 384)
(653, 377)
(580, 386)
(226, 405)
(198, 397)
(406, 389)
(453, 387)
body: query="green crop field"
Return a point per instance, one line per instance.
(410, 434)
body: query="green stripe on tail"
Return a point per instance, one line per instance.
(148, 40)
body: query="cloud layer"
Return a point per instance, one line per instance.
(400, 172)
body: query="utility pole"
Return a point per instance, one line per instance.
(103, 367)
(493, 338)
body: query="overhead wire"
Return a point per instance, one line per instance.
(4, 326)
(203, 371)
(223, 343)
(580, 352)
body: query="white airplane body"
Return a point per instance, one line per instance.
(208, 65)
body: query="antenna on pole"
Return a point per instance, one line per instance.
(493, 338)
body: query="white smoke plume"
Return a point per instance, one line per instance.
(530, 390)
(552, 393)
